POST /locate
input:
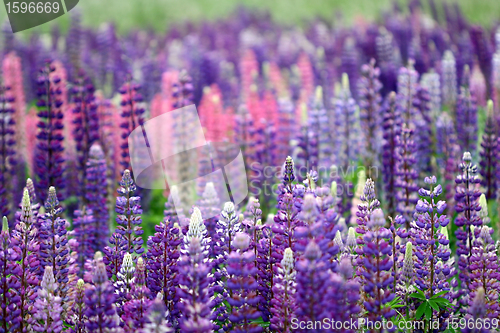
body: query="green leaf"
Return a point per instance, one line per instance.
(420, 310)
(434, 305)
(428, 312)
(421, 297)
(440, 294)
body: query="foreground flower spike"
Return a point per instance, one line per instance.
(162, 261)
(477, 308)
(466, 116)
(96, 193)
(391, 131)
(47, 308)
(243, 286)
(134, 315)
(124, 281)
(54, 247)
(99, 301)
(488, 166)
(283, 304)
(156, 322)
(25, 276)
(425, 234)
(485, 271)
(8, 151)
(377, 262)
(132, 116)
(86, 124)
(467, 206)
(7, 267)
(78, 311)
(49, 160)
(194, 289)
(370, 104)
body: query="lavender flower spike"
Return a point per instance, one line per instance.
(156, 318)
(283, 304)
(47, 306)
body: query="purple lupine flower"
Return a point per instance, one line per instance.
(466, 116)
(78, 318)
(96, 197)
(368, 204)
(370, 104)
(320, 130)
(405, 287)
(127, 236)
(156, 322)
(306, 150)
(425, 234)
(55, 249)
(478, 308)
(132, 115)
(407, 92)
(467, 206)
(312, 280)
(194, 289)
(99, 301)
(377, 277)
(482, 48)
(345, 294)
(406, 195)
(266, 265)
(424, 146)
(7, 153)
(283, 304)
(447, 150)
(25, 276)
(7, 266)
(47, 308)
(210, 206)
(242, 286)
(346, 119)
(86, 125)
(134, 315)
(392, 129)
(162, 261)
(485, 271)
(49, 161)
(431, 82)
(123, 285)
(83, 233)
(489, 155)
(449, 82)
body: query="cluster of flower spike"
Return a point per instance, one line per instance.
(371, 207)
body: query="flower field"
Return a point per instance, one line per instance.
(371, 199)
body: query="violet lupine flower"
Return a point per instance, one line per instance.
(242, 286)
(485, 271)
(306, 152)
(96, 193)
(377, 262)
(7, 153)
(318, 125)
(483, 52)
(407, 92)
(370, 104)
(266, 264)
(135, 309)
(162, 261)
(156, 322)
(466, 116)
(447, 150)
(478, 308)
(7, 266)
(123, 285)
(392, 129)
(345, 294)
(78, 318)
(424, 146)
(489, 155)
(312, 280)
(467, 206)
(368, 204)
(347, 122)
(127, 236)
(25, 276)
(49, 161)
(210, 206)
(406, 195)
(194, 289)
(283, 304)
(132, 116)
(99, 300)
(47, 308)
(55, 249)
(83, 227)
(406, 279)
(431, 82)
(449, 79)
(86, 125)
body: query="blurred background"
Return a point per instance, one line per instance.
(161, 14)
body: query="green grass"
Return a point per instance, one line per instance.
(160, 14)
